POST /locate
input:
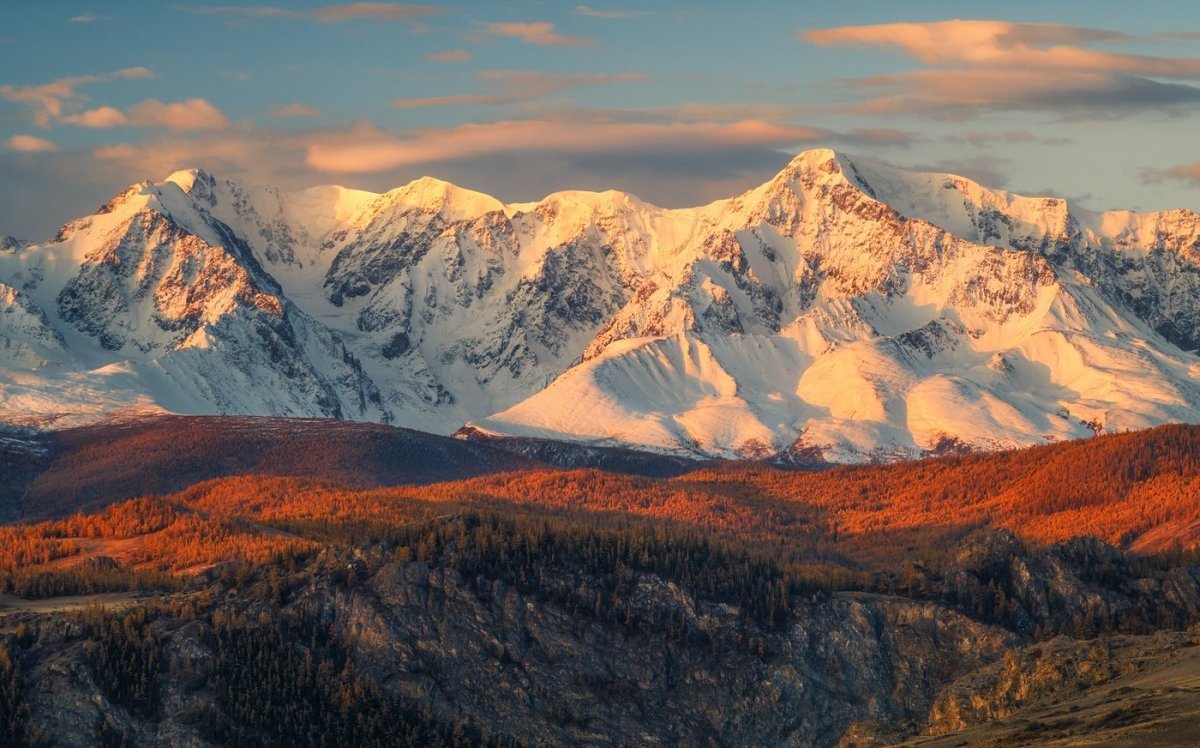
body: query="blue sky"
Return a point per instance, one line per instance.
(680, 103)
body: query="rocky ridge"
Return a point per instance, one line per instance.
(843, 311)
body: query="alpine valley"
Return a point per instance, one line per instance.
(844, 311)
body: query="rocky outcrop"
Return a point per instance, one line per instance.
(1059, 672)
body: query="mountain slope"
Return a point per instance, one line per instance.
(843, 311)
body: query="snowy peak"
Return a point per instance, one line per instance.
(431, 195)
(188, 179)
(844, 310)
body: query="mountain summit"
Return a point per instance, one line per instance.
(846, 310)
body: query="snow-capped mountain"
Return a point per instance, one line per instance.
(845, 310)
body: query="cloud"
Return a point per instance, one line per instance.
(539, 34)
(998, 65)
(966, 93)
(376, 11)
(104, 116)
(1177, 36)
(368, 149)
(180, 116)
(1185, 173)
(89, 18)
(50, 101)
(988, 139)
(517, 85)
(711, 112)
(449, 55)
(326, 13)
(587, 12)
(296, 111)
(881, 136)
(30, 144)
(257, 11)
(1004, 44)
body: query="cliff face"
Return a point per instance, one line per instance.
(560, 665)
(541, 674)
(530, 671)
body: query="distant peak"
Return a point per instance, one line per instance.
(816, 156)
(11, 242)
(186, 179)
(431, 192)
(816, 162)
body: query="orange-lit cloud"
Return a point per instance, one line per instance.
(519, 85)
(982, 65)
(50, 101)
(589, 12)
(538, 34)
(449, 55)
(104, 116)
(376, 11)
(30, 144)
(1003, 44)
(326, 13)
(368, 149)
(180, 116)
(296, 111)
(1186, 173)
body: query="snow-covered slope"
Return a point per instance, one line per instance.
(846, 310)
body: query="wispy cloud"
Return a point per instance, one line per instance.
(516, 86)
(981, 139)
(966, 93)
(296, 111)
(89, 18)
(1185, 173)
(325, 13)
(449, 55)
(30, 144)
(100, 117)
(50, 101)
(998, 65)
(589, 12)
(180, 116)
(368, 149)
(538, 34)
(365, 148)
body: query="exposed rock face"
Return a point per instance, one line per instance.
(1083, 587)
(541, 674)
(843, 311)
(1124, 689)
(527, 670)
(674, 668)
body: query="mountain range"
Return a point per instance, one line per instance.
(844, 311)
